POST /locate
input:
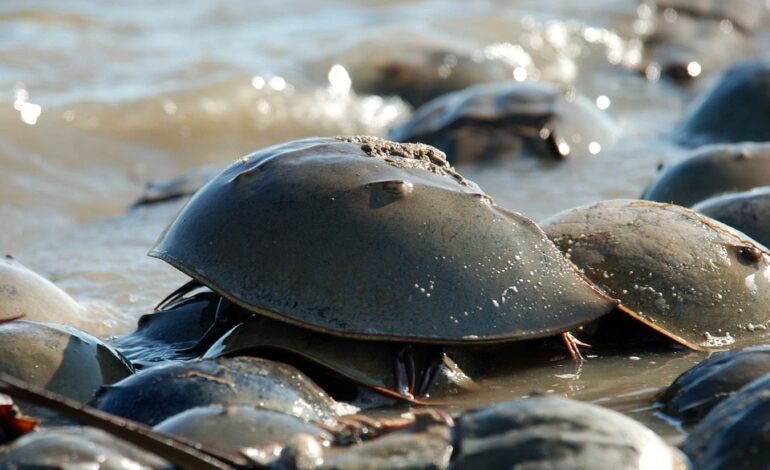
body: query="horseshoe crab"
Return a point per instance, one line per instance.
(747, 211)
(163, 391)
(449, 266)
(70, 447)
(545, 432)
(361, 362)
(694, 37)
(712, 171)
(733, 111)
(24, 292)
(232, 428)
(691, 278)
(491, 121)
(419, 74)
(59, 358)
(694, 393)
(735, 433)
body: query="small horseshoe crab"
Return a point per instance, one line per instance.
(24, 292)
(369, 240)
(711, 171)
(746, 211)
(158, 393)
(420, 73)
(492, 121)
(735, 110)
(735, 433)
(694, 393)
(547, 432)
(692, 38)
(691, 278)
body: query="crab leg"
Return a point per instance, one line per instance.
(217, 328)
(573, 346)
(188, 287)
(404, 372)
(432, 367)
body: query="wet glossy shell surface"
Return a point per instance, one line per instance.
(365, 238)
(368, 363)
(735, 433)
(163, 391)
(74, 447)
(699, 282)
(232, 428)
(697, 391)
(59, 358)
(552, 432)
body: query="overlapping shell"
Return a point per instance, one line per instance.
(699, 282)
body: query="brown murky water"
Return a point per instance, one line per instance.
(100, 98)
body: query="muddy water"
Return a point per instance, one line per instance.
(100, 98)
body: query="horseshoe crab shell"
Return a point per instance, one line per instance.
(71, 447)
(694, 393)
(59, 358)
(362, 362)
(419, 74)
(24, 292)
(735, 110)
(546, 432)
(365, 238)
(489, 121)
(163, 391)
(712, 171)
(734, 434)
(748, 212)
(231, 428)
(689, 277)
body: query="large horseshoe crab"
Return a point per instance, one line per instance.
(697, 281)
(365, 239)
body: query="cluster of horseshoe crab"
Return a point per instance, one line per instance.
(356, 269)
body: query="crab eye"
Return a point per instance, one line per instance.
(750, 254)
(397, 187)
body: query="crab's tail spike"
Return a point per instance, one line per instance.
(188, 287)
(179, 452)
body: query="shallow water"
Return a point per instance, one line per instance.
(101, 98)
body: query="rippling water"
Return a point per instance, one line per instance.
(101, 97)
